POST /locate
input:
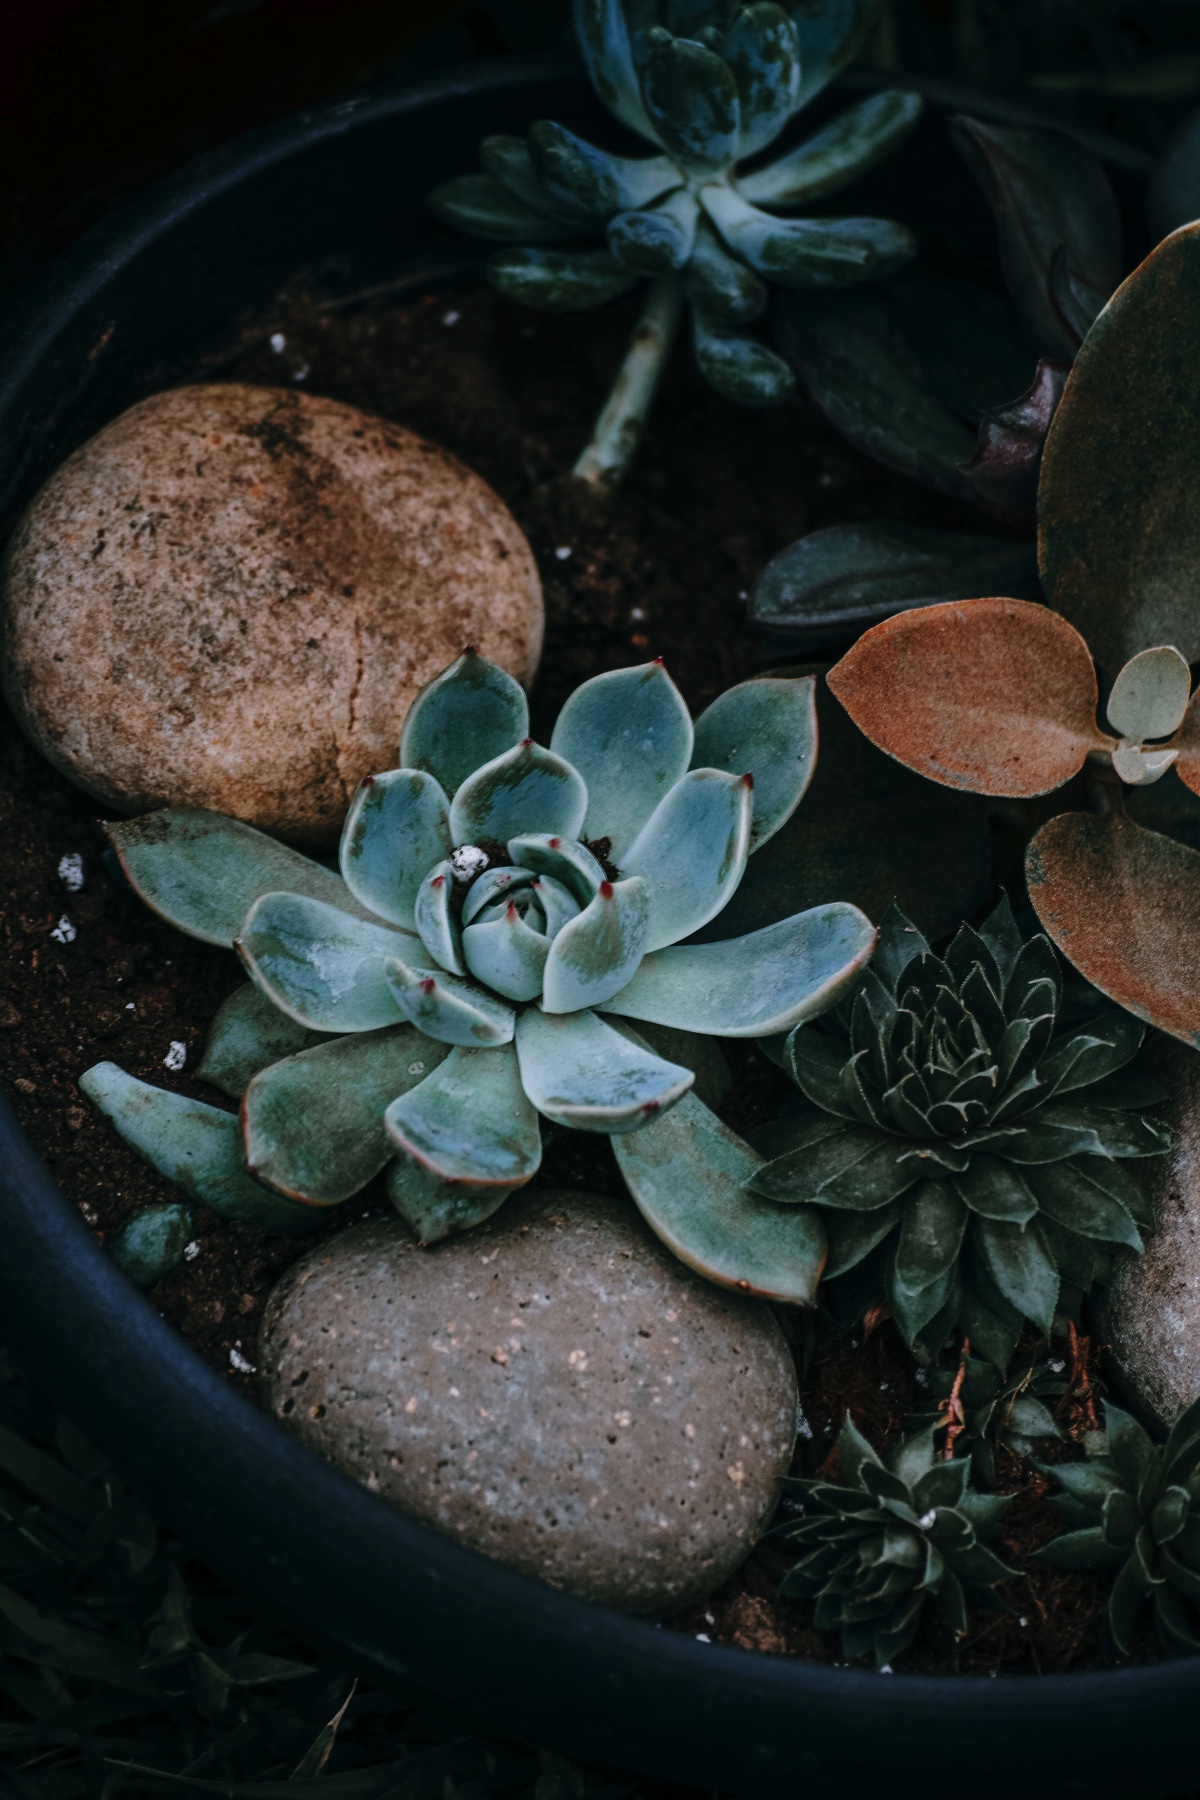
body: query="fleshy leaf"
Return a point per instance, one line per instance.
(692, 851)
(248, 1033)
(560, 280)
(1123, 905)
(321, 966)
(506, 954)
(594, 955)
(151, 1242)
(721, 284)
(765, 728)
(762, 50)
(739, 367)
(1119, 530)
(808, 252)
(831, 33)
(692, 99)
(433, 915)
(854, 142)
(448, 1010)
(1018, 1261)
(656, 240)
(688, 1174)
(564, 859)
(202, 872)
(526, 790)
(1003, 473)
(1068, 1195)
(198, 1147)
(603, 38)
(559, 906)
(752, 986)
(397, 829)
(469, 1122)
(507, 160)
(492, 885)
(579, 1072)
(312, 1125)
(435, 1209)
(470, 713)
(996, 696)
(1150, 695)
(578, 174)
(843, 1166)
(629, 734)
(482, 206)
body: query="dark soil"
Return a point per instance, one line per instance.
(90, 974)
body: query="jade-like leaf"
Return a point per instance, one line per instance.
(763, 51)
(629, 734)
(579, 1072)
(1139, 767)
(1123, 905)
(470, 1121)
(656, 240)
(996, 696)
(594, 955)
(507, 160)
(854, 142)
(603, 38)
(248, 1033)
(560, 280)
(688, 1173)
(527, 790)
(469, 714)
(767, 729)
(1119, 527)
(740, 368)
(397, 829)
(578, 174)
(565, 860)
(202, 872)
(692, 851)
(480, 205)
(808, 252)
(1003, 473)
(755, 985)
(312, 1125)
(435, 1209)
(725, 288)
(448, 1010)
(321, 966)
(506, 954)
(831, 33)
(433, 915)
(198, 1147)
(847, 577)
(1150, 695)
(692, 99)
(151, 1242)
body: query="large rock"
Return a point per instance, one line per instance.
(553, 1389)
(229, 597)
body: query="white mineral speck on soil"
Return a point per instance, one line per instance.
(451, 318)
(70, 871)
(191, 1251)
(278, 342)
(176, 1057)
(563, 552)
(64, 931)
(241, 1363)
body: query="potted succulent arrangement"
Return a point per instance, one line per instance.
(694, 1117)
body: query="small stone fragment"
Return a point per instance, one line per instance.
(152, 1242)
(552, 1389)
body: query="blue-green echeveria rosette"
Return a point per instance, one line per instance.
(502, 909)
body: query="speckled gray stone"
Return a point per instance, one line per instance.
(553, 1389)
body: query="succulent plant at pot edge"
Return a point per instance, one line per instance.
(710, 84)
(496, 899)
(891, 1536)
(966, 1135)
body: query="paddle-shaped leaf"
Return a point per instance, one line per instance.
(312, 1125)
(506, 953)
(808, 252)
(763, 51)
(755, 985)
(397, 828)
(433, 915)
(484, 207)
(629, 734)
(449, 1010)
(594, 955)
(603, 38)
(996, 696)
(656, 240)
(692, 99)
(1003, 473)
(470, 1121)
(767, 729)
(1123, 905)
(526, 790)
(248, 1033)
(508, 161)
(1150, 695)
(739, 367)
(1119, 524)
(198, 1147)
(724, 287)
(560, 280)
(856, 140)
(830, 33)
(470, 713)
(151, 1242)
(321, 966)
(692, 851)
(578, 174)
(435, 1209)
(578, 1071)
(565, 860)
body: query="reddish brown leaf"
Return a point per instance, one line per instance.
(1123, 904)
(996, 696)
(1187, 742)
(1004, 468)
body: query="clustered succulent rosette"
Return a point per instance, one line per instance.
(1134, 1506)
(886, 1539)
(969, 1133)
(496, 898)
(993, 1409)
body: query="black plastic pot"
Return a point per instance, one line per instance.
(149, 299)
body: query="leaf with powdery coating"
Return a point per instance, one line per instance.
(846, 148)
(579, 1072)
(692, 98)
(629, 733)
(321, 966)
(692, 851)
(808, 252)
(449, 1010)
(525, 790)
(594, 954)
(763, 52)
(560, 280)
(995, 696)
(831, 33)
(602, 34)
(470, 713)
(397, 827)
(248, 1034)
(767, 729)
(480, 205)
(470, 1121)
(1150, 695)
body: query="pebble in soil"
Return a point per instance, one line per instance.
(553, 1389)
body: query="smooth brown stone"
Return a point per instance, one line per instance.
(553, 1389)
(230, 596)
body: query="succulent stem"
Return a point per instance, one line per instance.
(618, 429)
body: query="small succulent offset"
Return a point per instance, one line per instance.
(496, 898)
(1134, 1506)
(991, 1409)
(893, 1535)
(968, 1134)
(710, 84)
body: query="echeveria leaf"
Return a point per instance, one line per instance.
(248, 1033)
(198, 1147)
(470, 713)
(433, 915)
(1123, 905)
(578, 174)
(755, 985)
(688, 1174)
(854, 142)
(830, 33)
(506, 953)
(692, 851)
(559, 905)
(767, 729)
(312, 1125)
(321, 966)
(603, 37)
(629, 734)
(594, 955)
(726, 289)
(808, 253)
(740, 368)
(397, 829)
(565, 860)
(470, 1122)
(1150, 695)
(527, 790)
(995, 696)
(1003, 473)
(482, 206)
(656, 240)
(151, 1242)
(560, 280)
(202, 871)
(494, 884)
(579, 1072)
(763, 51)
(692, 99)
(435, 1209)
(1119, 534)
(448, 1010)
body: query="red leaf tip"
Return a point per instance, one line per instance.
(554, 843)
(606, 890)
(525, 743)
(748, 781)
(439, 881)
(428, 985)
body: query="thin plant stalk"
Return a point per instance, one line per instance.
(618, 429)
